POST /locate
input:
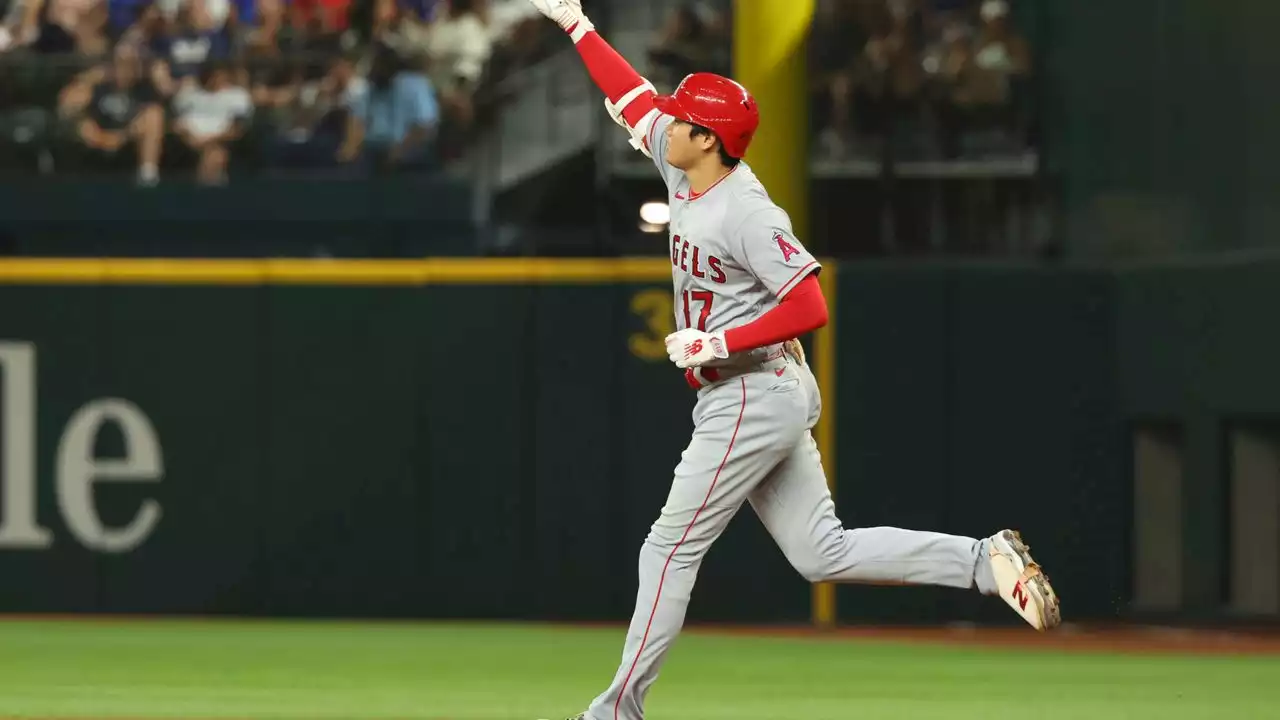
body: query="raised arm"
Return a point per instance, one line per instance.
(628, 96)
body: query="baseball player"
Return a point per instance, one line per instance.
(745, 287)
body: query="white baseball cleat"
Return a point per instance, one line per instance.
(1022, 583)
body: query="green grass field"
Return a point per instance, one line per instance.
(251, 670)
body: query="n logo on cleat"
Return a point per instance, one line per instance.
(1020, 595)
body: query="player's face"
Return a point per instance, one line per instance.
(683, 150)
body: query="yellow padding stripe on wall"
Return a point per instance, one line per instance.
(434, 271)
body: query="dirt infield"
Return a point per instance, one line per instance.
(1068, 638)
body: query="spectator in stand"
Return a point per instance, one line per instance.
(838, 33)
(400, 24)
(254, 25)
(220, 16)
(690, 42)
(19, 27)
(57, 26)
(1002, 55)
(394, 22)
(980, 76)
(466, 42)
(518, 38)
(77, 26)
(325, 17)
(127, 18)
(113, 107)
(182, 46)
(899, 53)
(308, 118)
(882, 86)
(458, 46)
(211, 116)
(392, 122)
(510, 20)
(10, 24)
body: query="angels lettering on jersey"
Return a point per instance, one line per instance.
(733, 251)
(731, 279)
(694, 260)
(699, 263)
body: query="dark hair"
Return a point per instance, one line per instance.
(726, 159)
(384, 66)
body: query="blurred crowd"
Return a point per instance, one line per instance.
(202, 87)
(918, 79)
(696, 36)
(206, 88)
(921, 79)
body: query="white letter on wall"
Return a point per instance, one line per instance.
(78, 469)
(18, 527)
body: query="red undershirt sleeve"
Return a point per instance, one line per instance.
(802, 310)
(614, 75)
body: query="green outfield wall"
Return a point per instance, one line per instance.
(493, 438)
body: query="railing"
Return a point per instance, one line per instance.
(544, 117)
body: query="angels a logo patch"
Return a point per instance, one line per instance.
(788, 250)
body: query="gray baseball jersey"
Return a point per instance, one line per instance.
(733, 251)
(733, 254)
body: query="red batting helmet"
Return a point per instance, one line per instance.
(717, 103)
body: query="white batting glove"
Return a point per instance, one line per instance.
(693, 348)
(565, 13)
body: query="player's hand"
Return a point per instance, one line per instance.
(565, 13)
(692, 348)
